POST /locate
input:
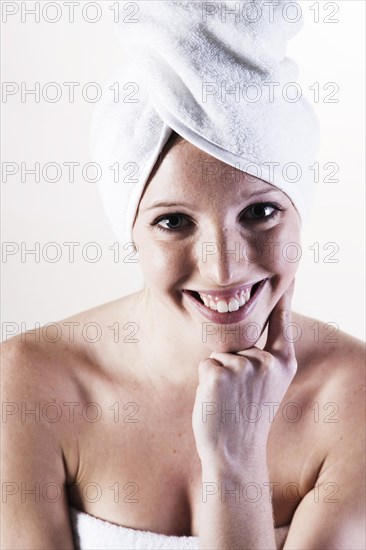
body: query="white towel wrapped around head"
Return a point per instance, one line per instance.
(217, 74)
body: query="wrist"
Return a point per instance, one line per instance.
(223, 468)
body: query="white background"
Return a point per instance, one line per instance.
(71, 212)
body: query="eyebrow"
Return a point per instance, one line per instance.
(166, 204)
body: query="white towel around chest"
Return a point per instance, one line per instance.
(91, 533)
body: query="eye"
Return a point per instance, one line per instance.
(262, 212)
(171, 222)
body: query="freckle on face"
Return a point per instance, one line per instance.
(213, 195)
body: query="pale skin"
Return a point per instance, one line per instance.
(254, 376)
(178, 463)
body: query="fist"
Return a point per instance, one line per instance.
(230, 419)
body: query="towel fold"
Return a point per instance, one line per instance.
(217, 74)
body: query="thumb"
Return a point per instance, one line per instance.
(279, 324)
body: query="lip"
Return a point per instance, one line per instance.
(227, 293)
(230, 317)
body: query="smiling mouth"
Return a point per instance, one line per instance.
(229, 303)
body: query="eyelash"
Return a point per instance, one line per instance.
(277, 208)
(166, 216)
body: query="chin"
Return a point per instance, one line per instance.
(231, 338)
(220, 347)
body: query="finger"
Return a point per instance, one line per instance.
(222, 358)
(208, 367)
(233, 361)
(279, 338)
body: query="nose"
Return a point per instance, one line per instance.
(221, 260)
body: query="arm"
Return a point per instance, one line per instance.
(235, 507)
(234, 452)
(34, 504)
(332, 515)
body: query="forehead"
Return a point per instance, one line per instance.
(187, 171)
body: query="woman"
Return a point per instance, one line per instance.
(213, 413)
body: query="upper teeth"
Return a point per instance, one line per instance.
(223, 305)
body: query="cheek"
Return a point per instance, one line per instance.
(279, 250)
(162, 263)
(289, 250)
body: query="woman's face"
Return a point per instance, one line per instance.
(217, 247)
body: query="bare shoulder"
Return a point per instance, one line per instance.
(36, 380)
(332, 375)
(325, 345)
(43, 365)
(61, 360)
(35, 444)
(49, 377)
(27, 365)
(332, 364)
(60, 345)
(35, 362)
(335, 372)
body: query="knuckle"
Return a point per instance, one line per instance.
(267, 361)
(240, 362)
